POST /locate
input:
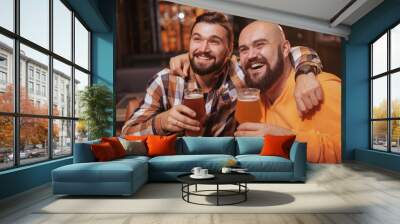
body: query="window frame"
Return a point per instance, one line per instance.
(388, 74)
(16, 114)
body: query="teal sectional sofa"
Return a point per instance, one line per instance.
(125, 176)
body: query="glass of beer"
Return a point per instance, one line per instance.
(194, 99)
(248, 105)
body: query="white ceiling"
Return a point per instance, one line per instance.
(319, 9)
(313, 15)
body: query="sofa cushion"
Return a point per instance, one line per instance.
(257, 163)
(83, 152)
(112, 171)
(206, 145)
(131, 158)
(185, 163)
(249, 145)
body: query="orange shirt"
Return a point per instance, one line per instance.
(320, 129)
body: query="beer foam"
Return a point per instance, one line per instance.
(194, 96)
(248, 98)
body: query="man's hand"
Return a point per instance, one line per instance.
(178, 118)
(260, 129)
(179, 65)
(308, 93)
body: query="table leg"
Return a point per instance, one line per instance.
(245, 191)
(188, 190)
(182, 188)
(217, 194)
(196, 188)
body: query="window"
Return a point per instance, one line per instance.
(37, 75)
(62, 29)
(6, 142)
(81, 81)
(81, 45)
(62, 74)
(38, 89)
(30, 72)
(34, 21)
(3, 61)
(44, 91)
(33, 149)
(3, 80)
(30, 87)
(62, 140)
(6, 73)
(45, 75)
(7, 14)
(3, 72)
(385, 95)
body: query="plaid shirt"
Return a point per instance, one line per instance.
(165, 91)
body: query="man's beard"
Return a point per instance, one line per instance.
(201, 70)
(270, 76)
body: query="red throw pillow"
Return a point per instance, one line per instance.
(161, 145)
(277, 145)
(116, 145)
(103, 152)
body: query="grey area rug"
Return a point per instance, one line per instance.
(166, 198)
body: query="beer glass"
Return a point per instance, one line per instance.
(194, 99)
(248, 105)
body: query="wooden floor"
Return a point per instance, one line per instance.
(377, 188)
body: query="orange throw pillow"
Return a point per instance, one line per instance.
(103, 152)
(277, 145)
(161, 145)
(135, 138)
(116, 145)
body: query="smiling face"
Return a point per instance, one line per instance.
(262, 49)
(209, 48)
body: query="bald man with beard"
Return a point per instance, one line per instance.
(264, 58)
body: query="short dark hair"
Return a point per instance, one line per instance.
(216, 18)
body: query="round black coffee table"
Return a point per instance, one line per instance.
(238, 179)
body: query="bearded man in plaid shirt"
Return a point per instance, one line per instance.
(214, 70)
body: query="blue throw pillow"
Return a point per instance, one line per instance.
(249, 145)
(206, 145)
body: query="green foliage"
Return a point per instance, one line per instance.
(96, 102)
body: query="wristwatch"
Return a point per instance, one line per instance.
(305, 69)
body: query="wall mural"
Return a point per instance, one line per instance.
(195, 72)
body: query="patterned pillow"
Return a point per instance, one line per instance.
(134, 147)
